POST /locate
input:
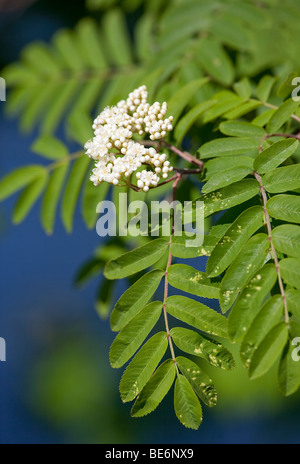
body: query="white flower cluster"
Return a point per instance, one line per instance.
(117, 155)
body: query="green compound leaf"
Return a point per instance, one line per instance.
(236, 237)
(290, 271)
(141, 368)
(268, 317)
(189, 280)
(286, 239)
(272, 157)
(248, 304)
(187, 406)
(245, 266)
(268, 351)
(229, 146)
(135, 299)
(202, 385)
(155, 390)
(19, 179)
(285, 208)
(195, 344)
(282, 115)
(133, 335)
(282, 179)
(197, 315)
(137, 260)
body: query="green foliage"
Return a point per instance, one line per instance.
(227, 88)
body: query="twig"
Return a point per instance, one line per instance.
(270, 234)
(175, 185)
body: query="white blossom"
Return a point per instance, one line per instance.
(117, 155)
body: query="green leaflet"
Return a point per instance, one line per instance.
(290, 271)
(217, 165)
(243, 88)
(200, 382)
(229, 30)
(88, 271)
(117, 36)
(92, 196)
(226, 178)
(268, 317)
(197, 315)
(282, 179)
(89, 43)
(293, 302)
(268, 351)
(229, 146)
(141, 368)
(229, 247)
(264, 88)
(155, 390)
(133, 335)
(251, 14)
(262, 119)
(144, 36)
(289, 369)
(275, 155)
(189, 280)
(190, 118)
(136, 260)
(103, 298)
(285, 208)
(80, 126)
(29, 197)
(72, 191)
(282, 115)
(195, 344)
(225, 102)
(242, 129)
(52, 195)
(243, 109)
(215, 61)
(286, 239)
(19, 179)
(249, 302)
(231, 196)
(187, 406)
(183, 96)
(180, 250)
(134, 299)
(245, 266)
(50, 147)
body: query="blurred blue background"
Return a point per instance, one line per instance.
(57, 385)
